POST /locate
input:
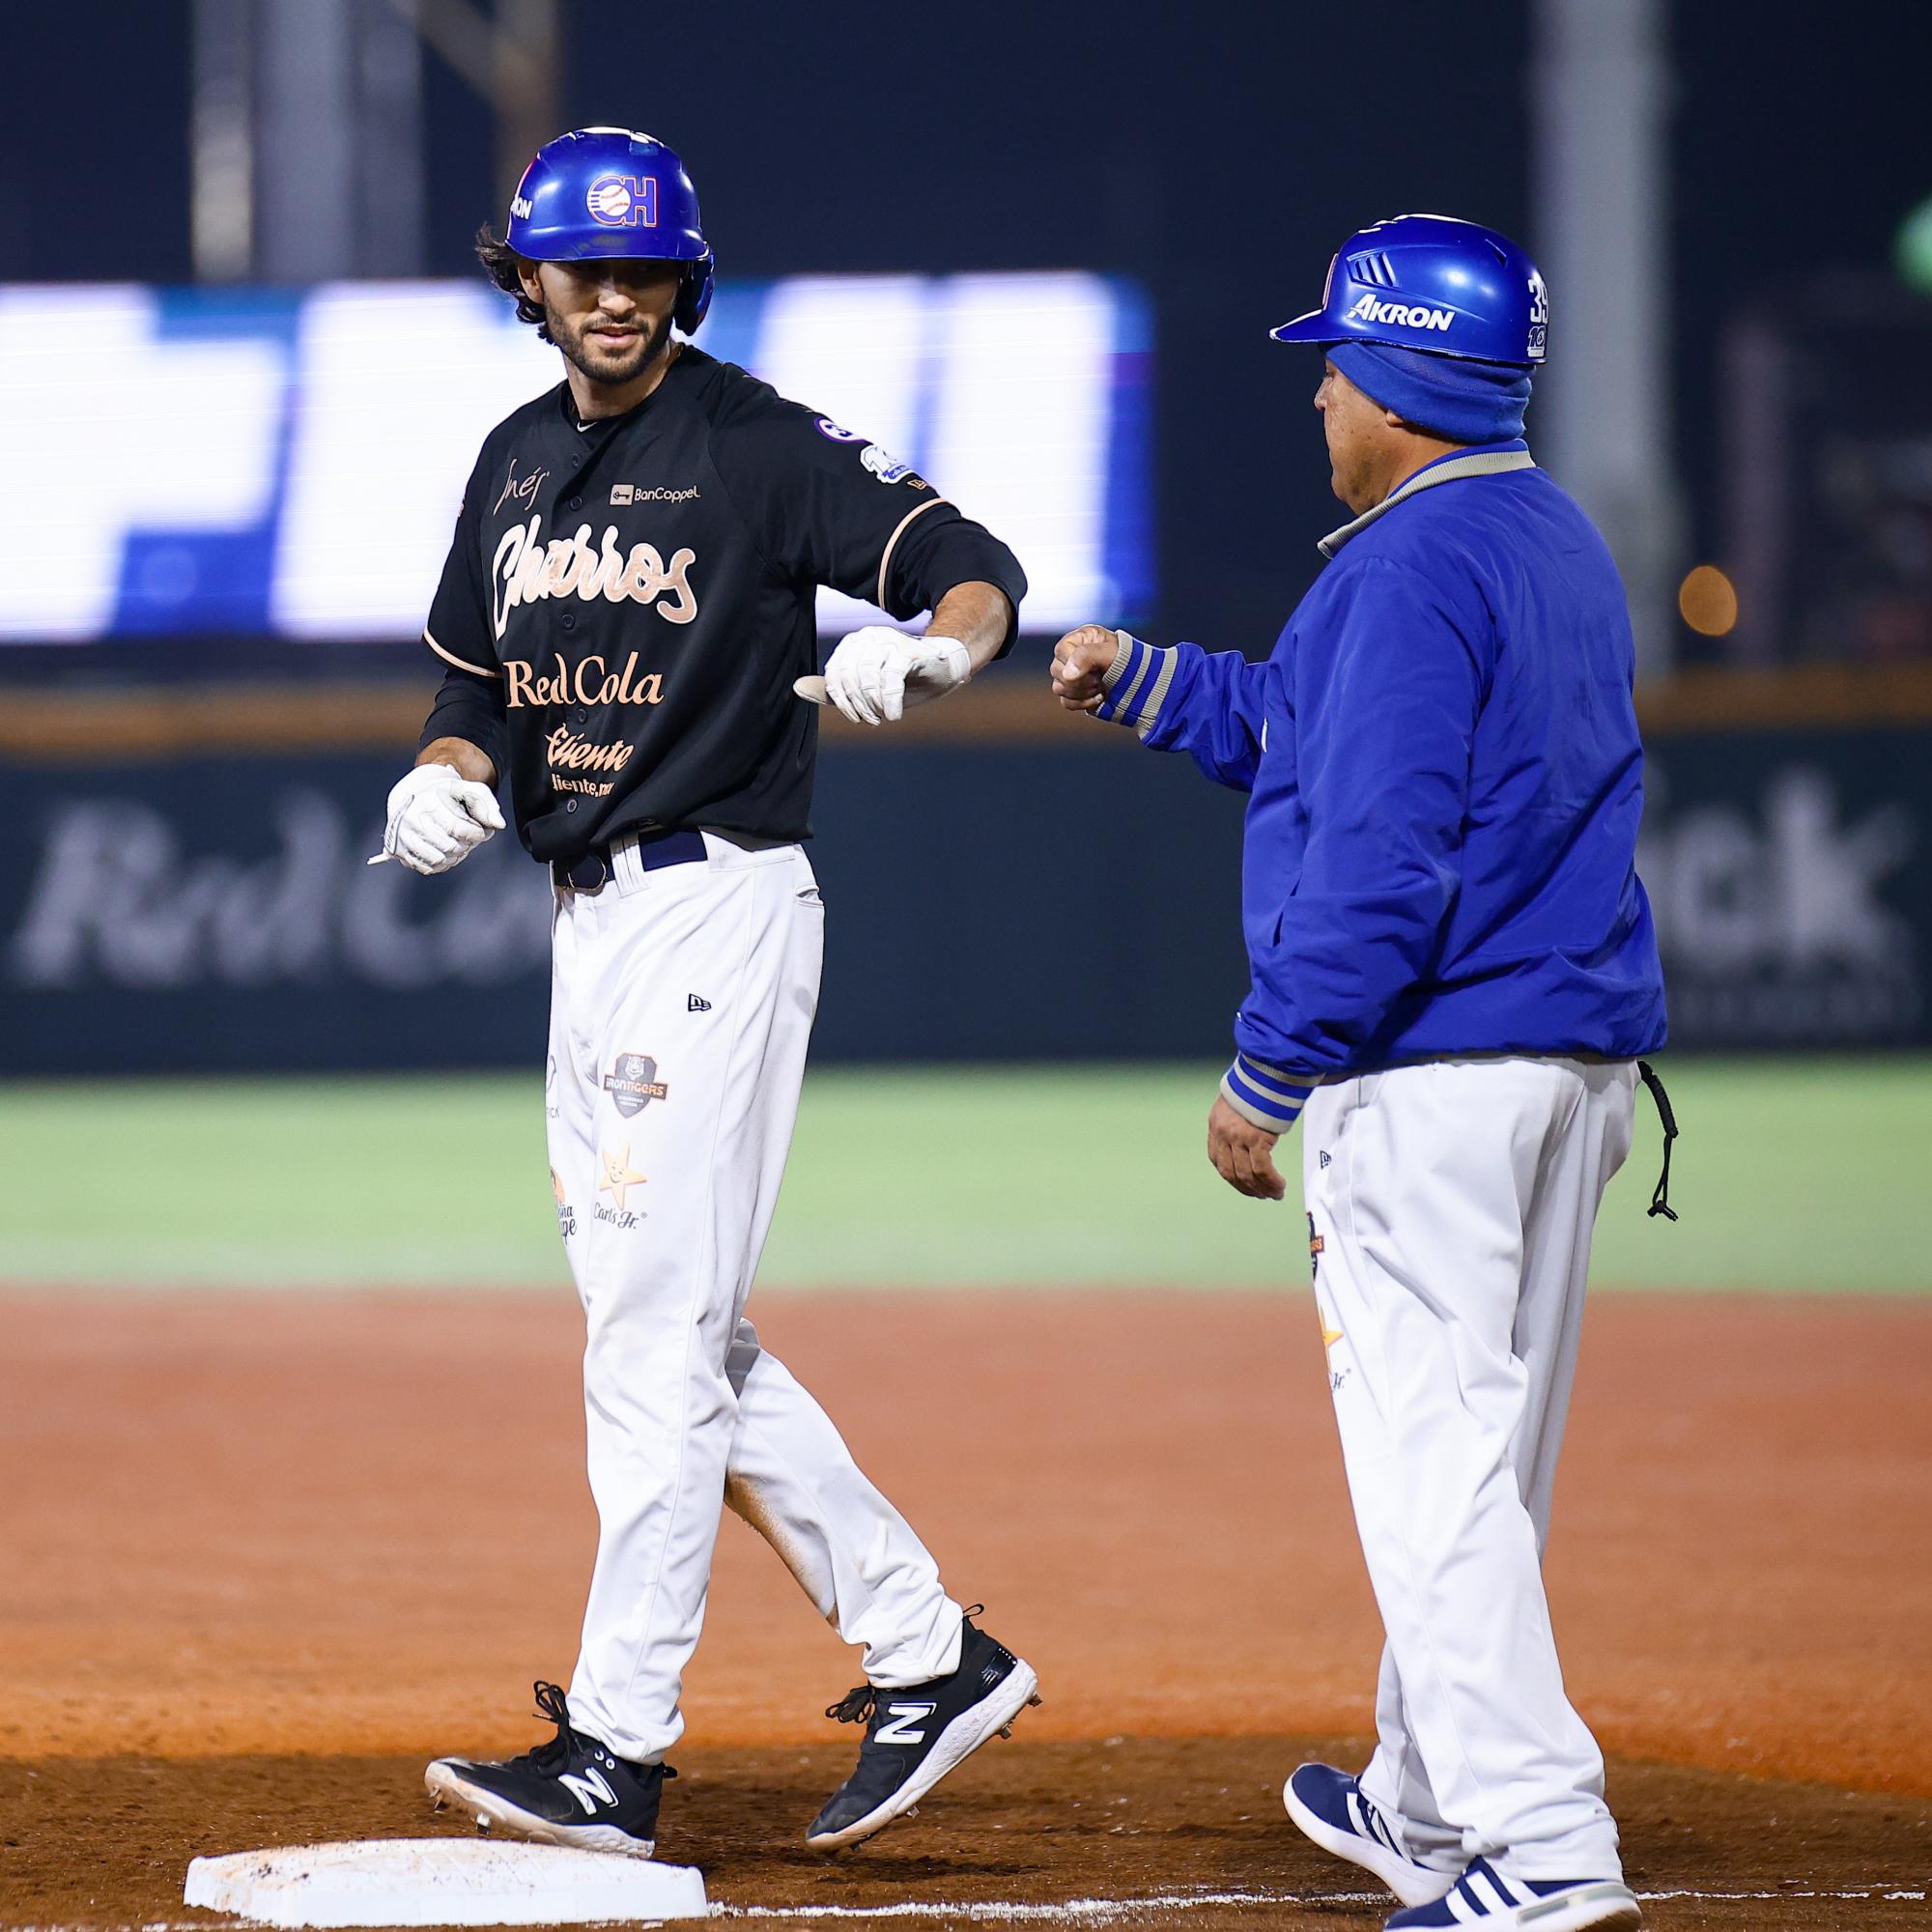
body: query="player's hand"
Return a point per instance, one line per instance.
(877, 672)
(1080, 661)
(1243, 1153)
(438, 818)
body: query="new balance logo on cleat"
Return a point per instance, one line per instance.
(915, 1736)
(587, 1790)
(694, 1003)
(899, 1731)
(572, 1791)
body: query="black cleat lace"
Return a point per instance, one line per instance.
(855, 1707)
(858, 1703)
(554, 1707)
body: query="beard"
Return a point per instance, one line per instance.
(586, 352)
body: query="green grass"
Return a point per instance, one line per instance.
(1789, 1175)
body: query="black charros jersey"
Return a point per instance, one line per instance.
(627, 601)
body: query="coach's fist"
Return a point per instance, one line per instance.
(1081, 661)
(438, 818)
(1243, 1153)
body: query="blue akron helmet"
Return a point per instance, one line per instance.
(609, 193)
(1429, 283)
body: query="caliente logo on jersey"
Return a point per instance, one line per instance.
(525, 569)
(566, 754)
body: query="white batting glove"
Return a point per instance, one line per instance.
(438, 818)
(877, 672)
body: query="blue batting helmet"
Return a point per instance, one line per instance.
(1430, 283)
(609, 194)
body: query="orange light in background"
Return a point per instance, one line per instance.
(1708, 601)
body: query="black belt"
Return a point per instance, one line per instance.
(655, 850)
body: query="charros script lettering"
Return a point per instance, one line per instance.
(527, 569)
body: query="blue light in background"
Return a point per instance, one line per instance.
(289, 461)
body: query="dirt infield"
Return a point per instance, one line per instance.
(1181, 1832)
(261, 1556)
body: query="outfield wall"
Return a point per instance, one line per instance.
(195, 899)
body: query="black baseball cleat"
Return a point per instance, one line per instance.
(915, 1736)
(572, 1791)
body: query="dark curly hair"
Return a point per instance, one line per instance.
(501, 263)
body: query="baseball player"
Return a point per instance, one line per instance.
(1453, 974)
(626, 608)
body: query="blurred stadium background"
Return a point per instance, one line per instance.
(244, 362)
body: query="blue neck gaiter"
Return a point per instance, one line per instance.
(1459, 401)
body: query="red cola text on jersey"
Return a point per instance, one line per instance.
(584, 682)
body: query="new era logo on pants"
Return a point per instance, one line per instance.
(694, 1003)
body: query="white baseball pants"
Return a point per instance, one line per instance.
(1451, 1206)
(681, 1002)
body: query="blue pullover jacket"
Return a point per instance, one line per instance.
(1444, 781)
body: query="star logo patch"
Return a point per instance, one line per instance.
(618, 1174)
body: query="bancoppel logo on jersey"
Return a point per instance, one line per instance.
(1367, 309)
(525, 569)
(642, 493)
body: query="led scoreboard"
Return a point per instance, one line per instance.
(288, 463)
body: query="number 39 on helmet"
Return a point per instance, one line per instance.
(612, 194)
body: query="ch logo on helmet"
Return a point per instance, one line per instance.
(623, 201)
(1367, 309)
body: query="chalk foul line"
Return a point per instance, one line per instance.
(1099, 1910)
